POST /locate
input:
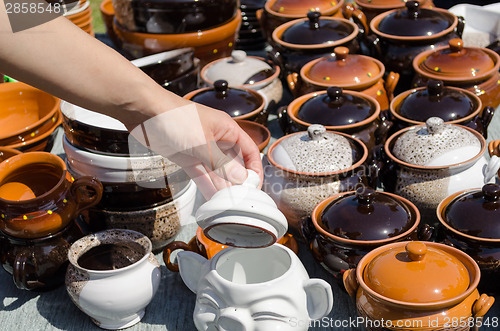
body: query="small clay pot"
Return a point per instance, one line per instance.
(372, 8)
(258, 132)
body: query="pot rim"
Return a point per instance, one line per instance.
(440, 211)
(400, 97)
(324, 203)
(37, 139)
(396, 135)
(465, 259)
(278, 32)
(370, 82)
(318, 174)
(376, 20)
(422, 56)
(295, 105)
(385, 7)
(329, 12)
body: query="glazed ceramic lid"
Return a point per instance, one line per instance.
(336, 107)
(239, 69)
(383, 3)
(300, 7)
(242, 216)
(316, 31)
(416, 273)
(476, 212)
(450, 104)
(343, 69)
(456, 62)
(366, 215)
(436, 144)
(234, 101)
(314, 151)
(414, 21)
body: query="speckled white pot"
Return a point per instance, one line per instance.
(114, 299)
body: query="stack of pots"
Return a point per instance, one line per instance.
(80, 13)
(142, 191)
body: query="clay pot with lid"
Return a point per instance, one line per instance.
(348, 71)
(453, 105)
(372, 8)
(417, 285)
(346, 226)
(240, 103)
(469, 221)
(339, 110)
(306, 167)
(472, 68)
(302, 40)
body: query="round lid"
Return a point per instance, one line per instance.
(242, 216)
(414, 21)
(457, 62)
(316, 31)
(234, 101)
(239, 69)
(366, 215)
(336, 107)
(315, 151)
(343, 69)
(476, 213)
(384, 3)
(450, 104)
(435, 144)
(416, 273)
(300, 8)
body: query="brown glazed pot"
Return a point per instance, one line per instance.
(346, 226)
(38, 196)
(472, 68)
(372, 8)
(417, 286)
(348, 71)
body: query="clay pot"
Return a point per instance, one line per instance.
(108, 15)
(417, 285)
(6, 153)
(348, 71)
(472, 68)
(258, 132)
(372, 8)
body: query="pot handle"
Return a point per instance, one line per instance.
(350, 282)
(390, 84)
(350, 12)
(20, 275)
(385, 126)
(481, 122)
(284, 120)
(293, 83)
(307, 230)
(277, 59)
(425, 233)
(460, 26)
(385, 168)
(373, 44)
(482, 305)
(258, 14)
(175, 245)
(87, 191)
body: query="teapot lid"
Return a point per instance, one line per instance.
(389, 4)
(315, 151)
(366, 214)
(337, 107)
(343, 69)
(414, 21)
(435, 144)
(242, 216)
(456, 62)
(448, 103)
(416, 272)
(234, 101)
(476, 212)
(299, 7)
(239, 69)
(316, 30)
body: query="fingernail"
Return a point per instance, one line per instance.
(238, 174)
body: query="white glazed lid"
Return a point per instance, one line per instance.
(242, 216)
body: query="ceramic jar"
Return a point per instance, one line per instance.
(348, 71)
(38, 197)
(472, 68)
(339, 110)
(112, 277)
(240, 103)
(427, 163)
(453, 105)
(346, 226)
(372, 8)
(307, 167)
(417, 285)
(302, 40)
(39, 263)
(468, 221)
(241, 70)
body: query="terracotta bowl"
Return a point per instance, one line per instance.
(258, 132)
(6, 152)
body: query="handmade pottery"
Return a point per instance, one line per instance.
(38, 197)
(472, 68)
(112, 277)
(6, 153)
(39, 263)
(258, 132)
(372, 8)
(108, 15)
(417, 285)
(251, 36)
(346, 226)
(348, 71)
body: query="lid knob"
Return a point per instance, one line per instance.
(365, 195)
(491, 192)
(434, 124)
(413, 9)
(416, 250)
(435, 87)
(238, 56)
(335, 94)
(221, 86)
(316, 131)
(341, 52)
(313, 17)
(456, 44)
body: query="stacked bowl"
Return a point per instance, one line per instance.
(81, 15)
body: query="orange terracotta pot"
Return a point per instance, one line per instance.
(108, 14)
(258, 132)
(6, 153)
